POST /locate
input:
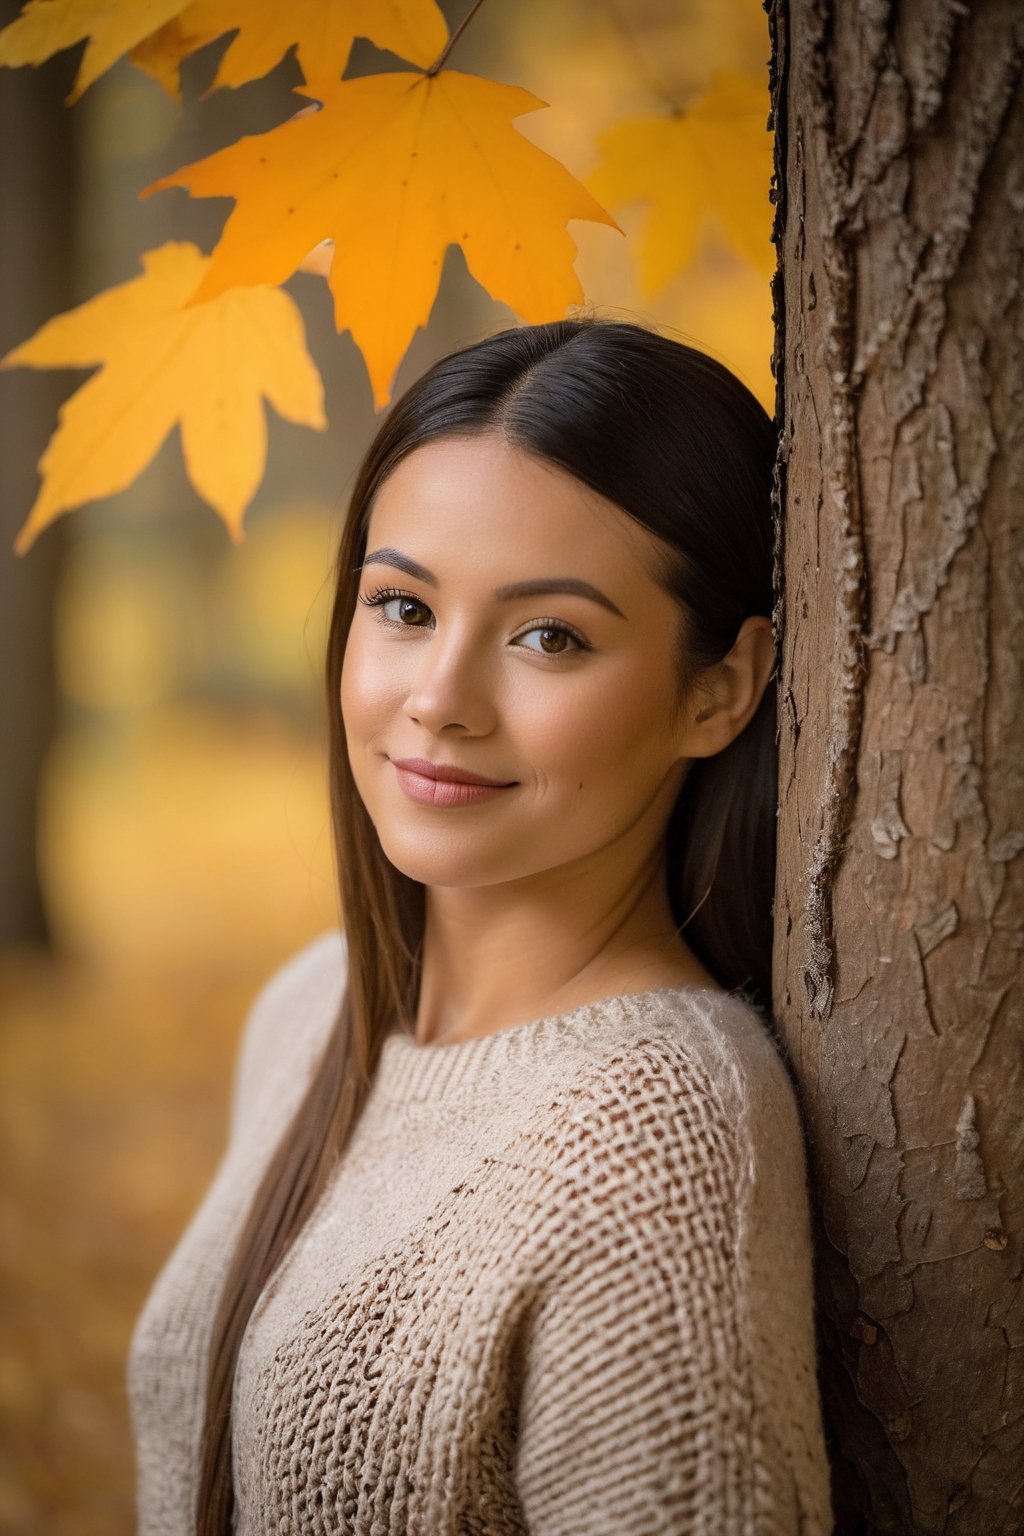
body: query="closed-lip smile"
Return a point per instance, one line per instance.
(447, 772)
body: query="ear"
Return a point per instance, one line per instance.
(726, 695)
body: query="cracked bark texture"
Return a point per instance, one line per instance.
(898, 914)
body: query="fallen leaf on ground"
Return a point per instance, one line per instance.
(206, 368)
(395, 168)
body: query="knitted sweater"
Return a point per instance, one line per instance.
(560, 1283)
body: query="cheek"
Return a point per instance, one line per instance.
(351, 692)
(364, 690)
(617, 727)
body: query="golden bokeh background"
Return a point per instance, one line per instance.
(184, 839)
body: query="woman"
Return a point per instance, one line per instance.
(511, 1234)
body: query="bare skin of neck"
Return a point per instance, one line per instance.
(497, 956)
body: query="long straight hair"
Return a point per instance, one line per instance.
(680, 445)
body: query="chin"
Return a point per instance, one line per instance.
(441, 862)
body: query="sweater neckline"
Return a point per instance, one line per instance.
(409, 1071)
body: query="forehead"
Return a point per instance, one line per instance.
(461, 502)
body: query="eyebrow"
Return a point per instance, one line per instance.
(573, 586)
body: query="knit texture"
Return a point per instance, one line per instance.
(560, 1283)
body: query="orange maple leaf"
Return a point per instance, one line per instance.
(395, 168)
(46, 27)
(710, 163)
(322, 31)
(206, 367)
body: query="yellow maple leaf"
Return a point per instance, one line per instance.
(395, 168)
(205, 367)
(710, 163)
(46, 27)
(323, 32)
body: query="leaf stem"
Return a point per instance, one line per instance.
(442, 57)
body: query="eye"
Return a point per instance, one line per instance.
(556, 638)
(407, 611)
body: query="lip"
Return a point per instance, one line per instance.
(446, 773)
(430, 784)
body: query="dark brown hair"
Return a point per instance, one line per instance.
(678, 443)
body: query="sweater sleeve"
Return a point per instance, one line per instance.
(646, 1398)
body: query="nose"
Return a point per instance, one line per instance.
(451, 688)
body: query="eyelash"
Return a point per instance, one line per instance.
(384, 595)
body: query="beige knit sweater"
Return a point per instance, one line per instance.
(559, 1284)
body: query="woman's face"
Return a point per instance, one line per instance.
(509, 626)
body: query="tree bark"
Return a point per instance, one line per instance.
(898, 907)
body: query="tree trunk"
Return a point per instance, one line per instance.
(36, 281)
(898, 911)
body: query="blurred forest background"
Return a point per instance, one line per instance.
(183, 839)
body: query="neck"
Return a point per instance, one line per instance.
(503, 955)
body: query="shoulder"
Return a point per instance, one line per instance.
(287, 1027)
(681, 1043)
(676, 1084)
